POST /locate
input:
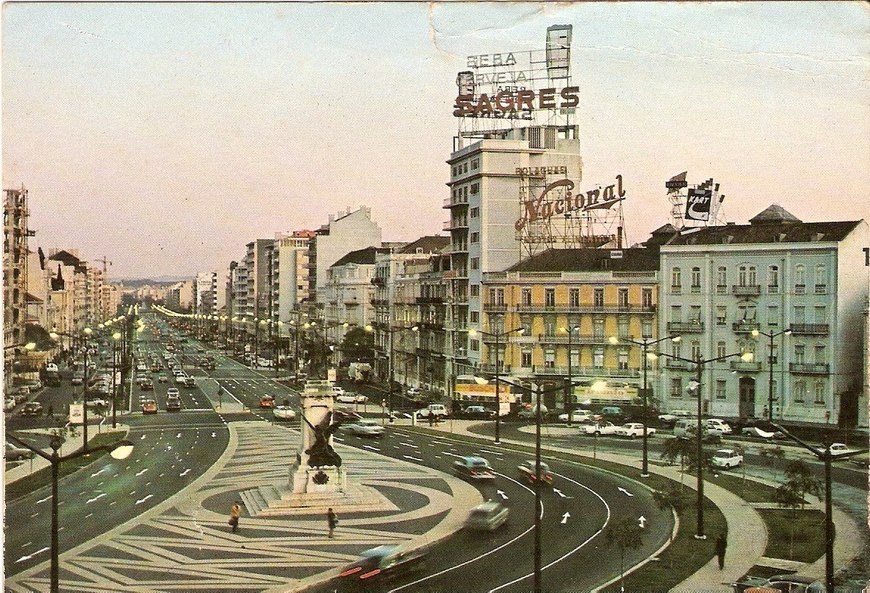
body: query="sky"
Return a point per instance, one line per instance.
(165, 137)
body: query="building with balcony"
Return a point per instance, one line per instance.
(777, 273)
(15, 235)
(599, 294)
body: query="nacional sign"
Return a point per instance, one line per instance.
(540, 209)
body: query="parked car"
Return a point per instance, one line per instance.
(600, 428)
(14, 453)
(436, 410)
(361, 399)
(414, 392)
(473, 468)
(786, 583)
(32, 409)
(149, 406)
(669, 418)
(726, 458)
(346, 398)
(754, 431)
(479, 412)
(285, 413)
(529, 473)
(364, 428)
(687, 429)
(634, 429)
(836, 448)
(578, 416)
(718, 424)
(382, 563)
(338, 390)
(531, 412)
(487, 516)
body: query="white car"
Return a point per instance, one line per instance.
(634, 429)
(839, 449)
(726, 458)
(336, 390)
(600, 428)
(364, 428)
(283, 413)
(361, 399)
(720, 425)
(673, 416)
(345, 397)
(577, 416)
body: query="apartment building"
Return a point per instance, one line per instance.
(791, 292)
(15, 235)
(556, 314)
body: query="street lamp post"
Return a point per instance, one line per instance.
(497, 335)
(770, 337)
(694, 390)
(87, 331)
(645, 344)
(569, 392)
(116, 336)
(391, 330)
(118, 450)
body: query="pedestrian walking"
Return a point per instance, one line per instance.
(331, 520)
(721, 545)
(235, 512)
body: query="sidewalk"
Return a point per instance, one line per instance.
(747, 534)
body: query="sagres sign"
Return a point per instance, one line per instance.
(558, 198)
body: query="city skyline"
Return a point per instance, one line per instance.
(142, 131)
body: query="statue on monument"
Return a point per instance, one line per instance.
(321, 452)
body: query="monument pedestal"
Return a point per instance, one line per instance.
(318, 480)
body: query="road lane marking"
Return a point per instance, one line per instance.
(141, 500)
(412, 458)
(97, 497)
(29, 556)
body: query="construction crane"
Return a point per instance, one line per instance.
(105, 263)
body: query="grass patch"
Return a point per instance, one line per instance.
(794, 535)
(42, 478)
(748, 490)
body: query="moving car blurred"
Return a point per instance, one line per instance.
(531, 412)
(634, 430)
(529, 474)
(487, 516)
(285, 413)
(364, 428)
(146, 385)
(189, 382)
(726, 458)
(382, 563)
(162, 378)
(473, 468)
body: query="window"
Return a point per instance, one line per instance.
(820, 354)
(499, 296)
(475, 164)
(800, 314)
(799, 353)
(526, 296)
(773, 279)
(676, 313)
(526, 324)
(598, 328)
(496, 323)
(475, 188)
(647, 298)
(550, 297)
(622, 298)
(475, 237)
(819, 392)
(696, 350)
(526, 358)
(475, 345)
(598, 297)
(475, 317)
(820, 314)
(676, 387)
(475, 263)
(773, 315)
(800, 279)
(623, 359)
(550, 325)
(821, 279)
(676, 279)
(675, 349)
(598, 358)
(721, 279)
(475, 290)
(800, 390)
(721, 314)
(696, 280)
(574, 297)
(549, 358)
(695, 314)
(474, 212)
(575, 357)
(753, 276)
(742, 275)
(720, 389)
(721, 349)
(646, 328)
(622, 327)
(773, 354)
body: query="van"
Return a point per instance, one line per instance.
(611, 411)
(435, 410)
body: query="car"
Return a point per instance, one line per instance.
(487, 516)
(283, 413)
(719, 425)
(345, 398)
(173, 403)
(23, 390)
(32, 409)
(173, 392)
(14, 453)
(529, 473)
(755, 432)
(473, 468)
(155, 368)
(787, 583)
(578, 416)
(78, 378)
(726, 458)
(361, 399)
(836, 448)
(634, 429)
(364, 428)
(98, 403)
(146, 385)
(413, 392)
(434, 410)
(178, 374)
(189, 381)
(162, 378)
(480, 412)
(267, 401)
(382, 563)
(600, 428)
(149, 406)
(688, 428)
(531, 412)
(669, 418)
(337, 390)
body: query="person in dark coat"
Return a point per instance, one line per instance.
(331, 520)
(721, 546)
(235, 513)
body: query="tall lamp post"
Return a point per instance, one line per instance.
(770, 359)
(569, 392)
(694, 390)
(497, 335)
(118, 450)
(647, 355)
(87, 346)
(391, 330)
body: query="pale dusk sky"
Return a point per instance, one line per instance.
(167, 136)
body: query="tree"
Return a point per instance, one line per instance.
(677, 449)
(627, 534)
(358, 345)
(671, 496)
(788, 497)
(800, 479)
(775, 453)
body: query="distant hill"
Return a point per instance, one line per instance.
(160, 280)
